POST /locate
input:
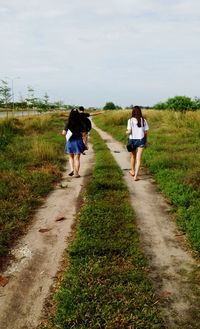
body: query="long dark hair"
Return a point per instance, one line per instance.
(75, 122)
(74, 116)
(137, 113)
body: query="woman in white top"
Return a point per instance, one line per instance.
(137, 130)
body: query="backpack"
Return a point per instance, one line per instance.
(88, 124)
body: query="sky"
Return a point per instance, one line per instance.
(89, 52)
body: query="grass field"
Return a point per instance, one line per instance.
(106, 284)
(173, 158)
(31, 161)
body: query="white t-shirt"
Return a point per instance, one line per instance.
(136, 132)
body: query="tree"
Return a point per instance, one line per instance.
(180, 103)
(109, 106)
(5, 93)
(31, 99)
(46, 99)
(197, 102)
(43, 104)
(160, 106)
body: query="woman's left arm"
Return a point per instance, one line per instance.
(64, 131)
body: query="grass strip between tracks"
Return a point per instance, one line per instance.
(106, 284)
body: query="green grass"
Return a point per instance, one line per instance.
(173, 158)
(31, 162)
(106, 284)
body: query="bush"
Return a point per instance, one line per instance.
(179, 103)
(110, 106)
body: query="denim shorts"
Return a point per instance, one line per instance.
(133, 144)
(75, 146)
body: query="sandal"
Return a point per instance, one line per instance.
(71, 173)
(76, 176)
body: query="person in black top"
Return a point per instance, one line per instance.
(74, 130)
(87, 125)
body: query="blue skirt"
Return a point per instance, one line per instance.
(75, 146)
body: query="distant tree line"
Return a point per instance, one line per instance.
(29, 102)
(177, 103)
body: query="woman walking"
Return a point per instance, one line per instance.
(73, 130)
(137, 128)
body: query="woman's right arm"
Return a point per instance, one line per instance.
(128, 130)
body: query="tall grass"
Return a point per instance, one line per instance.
(43, 150)
(31, 161)
(39, 123)
(173, 158)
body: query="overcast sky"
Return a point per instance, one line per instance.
(88, 52)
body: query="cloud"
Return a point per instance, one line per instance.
(87, 51)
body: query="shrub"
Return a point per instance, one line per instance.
(179, 103)
(110, 106)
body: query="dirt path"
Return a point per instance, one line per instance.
(39, 253)
(171, 264)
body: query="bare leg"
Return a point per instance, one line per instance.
(76, 164)
(71, 162)
(138, 161)
(133, 158)
(85, 140)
